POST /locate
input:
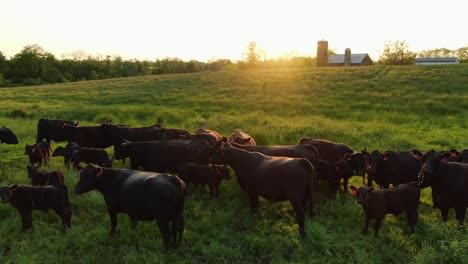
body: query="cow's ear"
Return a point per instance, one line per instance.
(444, 157)
(14, 187)
(365, 153)
(454, 153)
(246, 140)
(224, 139)
(99, 171)
(416, 153)
(386, 156)
(347, 156)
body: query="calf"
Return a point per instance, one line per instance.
(141, 195)
(204, 174)
(26, 198)
(43, 178)
(378, 203)
(449, 183)
(66, 152)
(91, 155)
(38, 153)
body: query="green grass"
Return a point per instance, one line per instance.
(398, 108)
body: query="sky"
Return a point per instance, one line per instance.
(212, 29)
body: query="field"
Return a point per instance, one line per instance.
(381, 107)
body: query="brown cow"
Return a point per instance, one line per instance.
(26, 198)
(241, 137)
(208, 131)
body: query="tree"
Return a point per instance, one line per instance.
(252, 55)
(397, 53)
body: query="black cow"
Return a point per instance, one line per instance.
(449, 182)
(7, 136)
(211, 175)
(48, 129)
(163, 156)
(26, 198)
(274, 178)
(392, 167)
(87, 136)
(334, 152)
(143, 196)
(43, 178)
(330, 173)
(377, 203)
(91, 155)
(300, 151)
(66, 152)
(117, 134)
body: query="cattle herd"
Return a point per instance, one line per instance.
(291, 173)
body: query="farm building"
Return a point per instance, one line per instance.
(437, 61)
(360, 59)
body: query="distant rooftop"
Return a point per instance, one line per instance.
(446, 59)
(339, 58)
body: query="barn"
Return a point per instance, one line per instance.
(359, 59)
(437, 61)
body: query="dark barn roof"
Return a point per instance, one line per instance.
(356, 59)
(446, 60)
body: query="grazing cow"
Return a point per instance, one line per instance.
(38, 153)
(91, 155)
(449, 182)
(377, 203)
(43, 178)
(26, 198)
(208, 131)
(204, 174)
(87, 136)
(274, 178)
(334, 152)
(392, 167)
(48, 129)
(66, 152)
(7, 136)
(300, 151)
(143, 196)
(160, 156)
(241, 137)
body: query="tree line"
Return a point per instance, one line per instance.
(34, 66)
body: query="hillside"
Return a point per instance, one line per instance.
(381, 107)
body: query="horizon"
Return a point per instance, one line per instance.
(209, 29)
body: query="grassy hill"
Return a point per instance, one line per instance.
(398, 108)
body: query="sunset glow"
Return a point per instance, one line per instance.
(205, 29)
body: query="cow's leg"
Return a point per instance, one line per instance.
(164, 228)
(460, 215)
(26, 219)
(412, 216)
(212, 191)
(300, 216)
(113, 218)
(133, 222)
(444, 213)
(253, 201)
(345, 184)
(365, 230)
(61, 212)
(377, 224)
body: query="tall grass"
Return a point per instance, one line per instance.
(398, 108)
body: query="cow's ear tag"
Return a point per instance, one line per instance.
(353, 192)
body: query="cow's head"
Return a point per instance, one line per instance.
(361, 194)
(343, 170)
(88, 178)
(123, 150)
(431, 161)
(31, 170)
(375, 158)
(217, 153)
(7, 136)
(222, 172)
(6, 192)
(454, 156)
(358, 161)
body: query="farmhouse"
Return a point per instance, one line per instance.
(437, 61)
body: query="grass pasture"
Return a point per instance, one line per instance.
(378, 107)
